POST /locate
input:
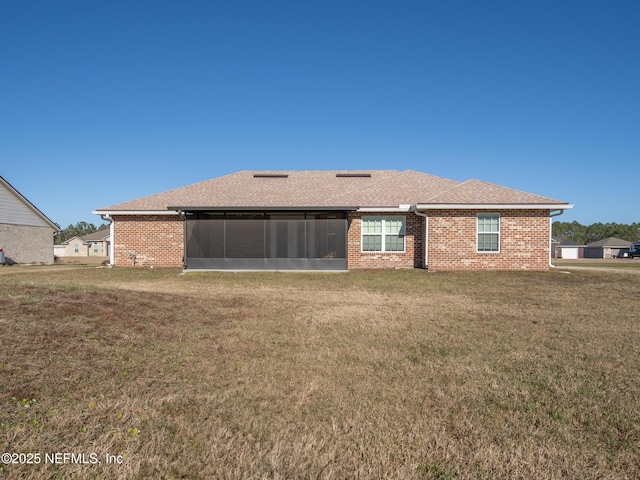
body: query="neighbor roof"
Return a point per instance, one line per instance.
(97, 236)
(331, 189)
(610, 242)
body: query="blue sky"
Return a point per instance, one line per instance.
(103, 102)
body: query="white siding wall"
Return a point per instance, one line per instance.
(15, 212)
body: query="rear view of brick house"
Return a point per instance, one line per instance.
(335, 220)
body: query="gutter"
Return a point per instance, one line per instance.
(133, 212)
(107, 218)
(551, 215)
(493, 206)
(400, 208)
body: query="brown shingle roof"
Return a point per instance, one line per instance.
(330, 189)
(96, 236)
(610, 242)
(478, 192)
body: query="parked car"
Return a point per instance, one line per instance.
(634, 250)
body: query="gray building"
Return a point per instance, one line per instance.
(26, 234)
(611, 247)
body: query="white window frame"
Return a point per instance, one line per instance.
(383, 219)
(478, 232)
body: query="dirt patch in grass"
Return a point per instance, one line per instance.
(91, 261)
(399, 374)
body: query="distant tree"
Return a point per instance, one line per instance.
(78, 230)
(596, 231)
(569, 230)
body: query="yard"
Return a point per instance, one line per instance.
(145, 373)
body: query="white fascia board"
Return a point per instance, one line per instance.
(401, 208)
(135, 212)
(493, 206)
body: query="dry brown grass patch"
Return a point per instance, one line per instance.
(362, 375)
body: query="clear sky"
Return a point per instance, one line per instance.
(104, 102)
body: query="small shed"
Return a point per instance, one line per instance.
(611, 247)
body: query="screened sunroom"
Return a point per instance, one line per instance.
(269, 240)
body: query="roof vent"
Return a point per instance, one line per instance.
(353, 175)
(270, 175)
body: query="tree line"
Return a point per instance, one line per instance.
(584, 234)
(78, 230)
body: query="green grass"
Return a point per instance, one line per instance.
(613, 263)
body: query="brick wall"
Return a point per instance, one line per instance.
(412, 257)
(152, 239)
(524, 241)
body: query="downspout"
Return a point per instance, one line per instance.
(107, 218)
(414, 209)
(551, 215)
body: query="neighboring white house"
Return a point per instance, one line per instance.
(26, 234)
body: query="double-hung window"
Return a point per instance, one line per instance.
(383, 234)
(488, 232)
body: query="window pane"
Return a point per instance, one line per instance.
(394, 225)
(493, 242)
(488, 222)
(394, 243)
(372, 243)
(371, 225)
(488, 242)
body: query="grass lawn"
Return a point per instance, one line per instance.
(373, 374)
(626, 263)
